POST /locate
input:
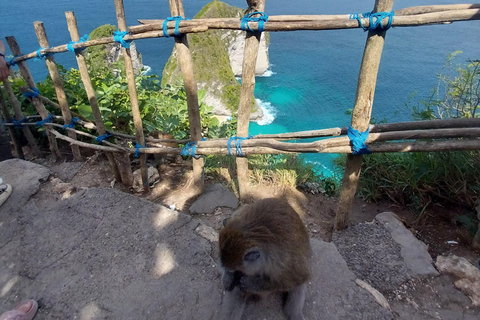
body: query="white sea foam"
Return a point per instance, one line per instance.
(268, 73)
(146, 70)
(269, 112)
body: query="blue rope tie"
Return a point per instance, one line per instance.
(107, 135)
(32, 93)
(118, 37)
(177, 20)
(71, 43)
(377, 16)
(358, 140)
(18, 123)
(48, 119)
(11, 62)
(42, 55)
(238, 145)
(71, 124)
(189, 149)
(138, 146)
(249, 18)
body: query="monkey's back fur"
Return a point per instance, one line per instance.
(274, 226)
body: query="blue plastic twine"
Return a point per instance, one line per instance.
(71, 43)
(238, 145)
(48, 119)
(138, 146)
(118, 37)
(18, 123)
(189, 149)
(71, 124)
(249, 18)
(375, 20)
(32, 93)
(177, 20)
(358, 140)
(11, 62)
(42, 55)
(99, 139)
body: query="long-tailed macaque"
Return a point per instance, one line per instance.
(264, 247)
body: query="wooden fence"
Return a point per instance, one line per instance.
(395, 137)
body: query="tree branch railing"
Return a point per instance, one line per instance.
(408, 17)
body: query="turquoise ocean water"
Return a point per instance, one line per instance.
(313, 74)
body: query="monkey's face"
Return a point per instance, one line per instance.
(239, 253)
(253, 265)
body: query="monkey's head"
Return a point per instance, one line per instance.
(240, 250)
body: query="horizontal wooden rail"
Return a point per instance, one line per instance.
(464, 139)
(399, 126)
(414, 16)
(323, 22)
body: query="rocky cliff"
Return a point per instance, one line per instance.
(218, 57)
(104, 56)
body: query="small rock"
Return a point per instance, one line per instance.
(468, 274)
(213, 197)
(69, 192)
(153, 176)
(207, 232)
(59, 186)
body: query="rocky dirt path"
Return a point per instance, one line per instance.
(86, 250)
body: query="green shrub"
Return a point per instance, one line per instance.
(418, 180)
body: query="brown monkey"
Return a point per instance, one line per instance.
(264, 247)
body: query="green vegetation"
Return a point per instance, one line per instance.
(96, 56)
(280, 170)
(421, 180)
(161, 108)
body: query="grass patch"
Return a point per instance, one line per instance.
(278, 170)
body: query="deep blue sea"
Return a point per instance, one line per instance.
(313, 74)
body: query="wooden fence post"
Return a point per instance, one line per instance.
(185, 61)
(252, 41)
(361, 115)
(132, 89)
(58, 84)
(19, 116)
(13, 133)
(37, 103)
(123, 173)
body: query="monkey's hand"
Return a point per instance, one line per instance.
(251, 283)
(230, 279)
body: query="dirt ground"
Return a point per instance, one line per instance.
(418, 296)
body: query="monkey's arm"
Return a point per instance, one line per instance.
(233, 304)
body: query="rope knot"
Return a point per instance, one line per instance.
(177, 20)
(375, 20)
(358, 140)
(41, 55)
(18, 123)
(71, 43)
(250, 18)
(71, 124)
(48, 119)
(107, 135)
(31, 93)
(238, 145)
(138, 146)
(118, 37)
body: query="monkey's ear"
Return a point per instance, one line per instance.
(224, 222)
(252, 255)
